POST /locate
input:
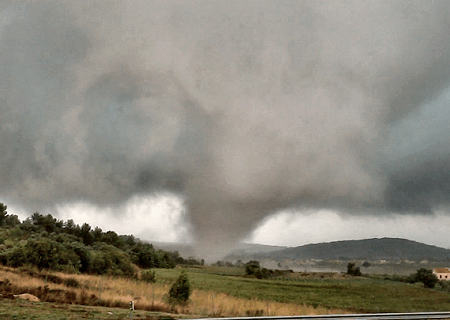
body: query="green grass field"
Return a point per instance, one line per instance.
(357, 294)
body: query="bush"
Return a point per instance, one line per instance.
(444, 285)
(107, 259)
(252, 267)
(148, 276)
(72, 282)
(180, 291)
(351, 270)
(263, 273)
(412, 278)
(427, 277)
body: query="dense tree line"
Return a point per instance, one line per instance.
(48, 243)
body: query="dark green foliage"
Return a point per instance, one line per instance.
(107, 259)
(45, 253)
(83, 254)
(263, 273)
(46, 223)
(110, 237)
(180, 291)
(252, 267)
(7, 220)
(396, 277)
(97, 234)
(48, 243)
(42, 253)
(165, 260)
(175, 259)
(129, 240)
(85, 234)
(444, 285)
(70, 227)
(146, 257)
(425, 276)
(3, 214)
(352, 270)
(412, 278)
(148, 276)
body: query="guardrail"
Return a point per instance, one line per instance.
(362, 316)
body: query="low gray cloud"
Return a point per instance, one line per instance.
(241, 108)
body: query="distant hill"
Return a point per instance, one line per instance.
(369, 249)
(250, 248)
(242, 249)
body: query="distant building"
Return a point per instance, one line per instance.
(442, 273)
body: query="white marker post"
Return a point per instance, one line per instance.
(131, 309)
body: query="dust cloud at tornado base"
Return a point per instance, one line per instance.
(241, 109)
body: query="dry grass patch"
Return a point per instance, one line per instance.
(220, 304)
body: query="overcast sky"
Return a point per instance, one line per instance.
(277, 122)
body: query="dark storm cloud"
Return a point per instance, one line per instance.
(241, 107)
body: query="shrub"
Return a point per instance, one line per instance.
(427, 277)
(351, 270)
(180, 291)
(252, 267)
(444, 285)
(263, 273)
(107, 259)
(72, 282)
(148, 276)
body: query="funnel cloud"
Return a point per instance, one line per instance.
(241, 108)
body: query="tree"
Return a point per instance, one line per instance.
(11, 220)
(263, 273)
(70, 226)
(252, 267)
(86, 235)
(129, 240)
(107, 259)
(352, 270)
(110, 237)
(180, 291)
(97, 234)
(427, 277)
(3, 214)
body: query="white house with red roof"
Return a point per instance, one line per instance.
(442, 273)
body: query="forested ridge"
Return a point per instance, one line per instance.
(366, 249)
(48, 243)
